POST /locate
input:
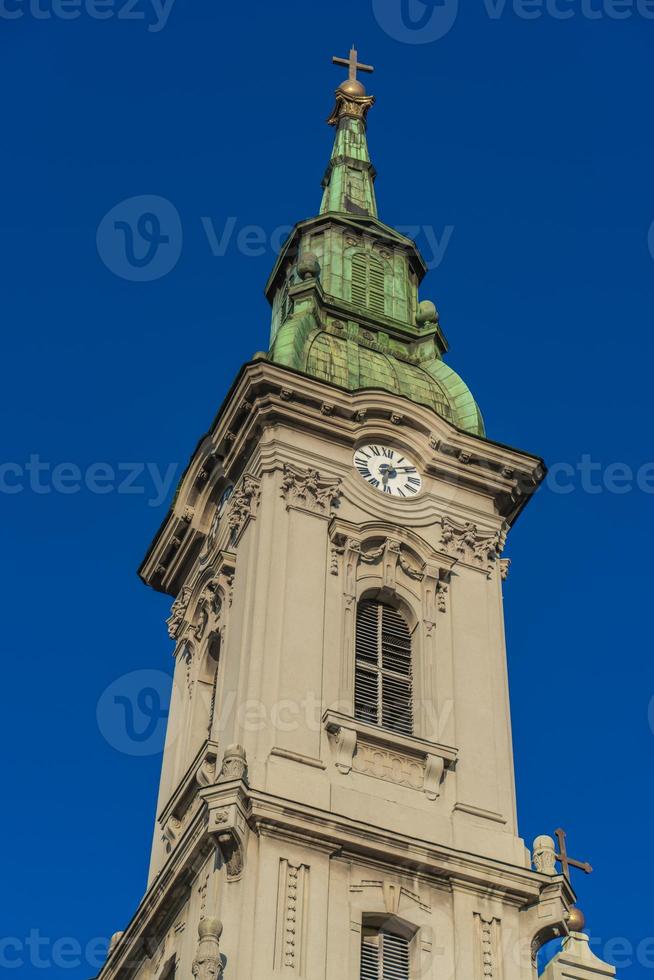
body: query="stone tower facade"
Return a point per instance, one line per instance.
(337, 795)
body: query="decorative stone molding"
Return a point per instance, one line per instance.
(336, 552)
(292, 910)
(472, 546)
(171, 832)
(243, 505)
(304, 489)
(175, 825)
(544, 855)
(205, 774)
(392, 895)
(401, 759)
(505, 568)
(178, 613)
(203, 889)
(489, 950)
(208, 963)
(208, 607)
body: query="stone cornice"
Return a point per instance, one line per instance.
(232, 811)
(266, 395)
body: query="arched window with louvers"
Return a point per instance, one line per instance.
(383, 684)
(385, 955)
(369, 282)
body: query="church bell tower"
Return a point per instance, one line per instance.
(337, 794)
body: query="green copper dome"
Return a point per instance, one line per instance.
(344, 291)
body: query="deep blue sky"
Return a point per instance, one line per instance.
(532, 139)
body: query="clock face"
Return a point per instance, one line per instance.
(388, 470)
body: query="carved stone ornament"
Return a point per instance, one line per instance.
(208, 963)
(206, 772)
(291, 916)
(306, 490)
(488, 947)
(392, 895)
(544, 856)
(178, 613)
(505, 568)
(115, 939)
(468, 544)
(208, 608)
(243, 504)
(235, 764)
(230, 830)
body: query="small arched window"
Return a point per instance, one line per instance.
(384, 955)
(368, 281)
(383, 687)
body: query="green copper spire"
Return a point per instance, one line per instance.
(350, 176)
(345, 289)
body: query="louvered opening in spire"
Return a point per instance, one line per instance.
(368, 283)
(384, 955)
(383, 690)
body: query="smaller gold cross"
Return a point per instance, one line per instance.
(352, 63)
(568, 862)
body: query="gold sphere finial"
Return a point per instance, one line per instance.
(353, 88)
(576, 920)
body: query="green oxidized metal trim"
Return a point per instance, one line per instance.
(344, 291)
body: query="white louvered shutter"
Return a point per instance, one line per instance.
(384, 956)
(383, 688)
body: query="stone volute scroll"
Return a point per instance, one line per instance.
(208, 962)
(228, 806)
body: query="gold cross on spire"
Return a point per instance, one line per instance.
(352, 63)
(568, 862)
